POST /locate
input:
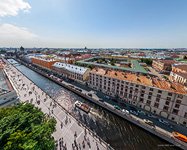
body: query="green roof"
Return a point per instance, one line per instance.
(136, 66)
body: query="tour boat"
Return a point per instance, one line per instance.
(82, 106)
(180, 136)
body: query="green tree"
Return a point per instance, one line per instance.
(148, 61)
(25, 127)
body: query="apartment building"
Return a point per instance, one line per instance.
(162, 65)
(73, 72)
(43, 62)
(150, 93)
(179, 73)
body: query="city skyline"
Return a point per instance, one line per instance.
(95, 24)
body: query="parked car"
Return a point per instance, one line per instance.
(166, 123)
(117, 107)
(101, 100)
(134, 112)
(125, 111)
(152, 116)
(89, 94)
(141, 112)
(163, 122)
(107, 97)
(149, 122)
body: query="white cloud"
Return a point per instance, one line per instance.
(11, 35)
(12, 7)
(12, 31)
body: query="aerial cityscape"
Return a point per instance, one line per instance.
(93, 75)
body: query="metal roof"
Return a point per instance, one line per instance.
(71, 68)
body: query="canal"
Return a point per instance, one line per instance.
(119, 133)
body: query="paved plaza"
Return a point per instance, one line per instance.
(70, 134)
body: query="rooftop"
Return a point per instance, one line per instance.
(136, 66)
(181, 66)
(47, 59)
(142, 79)
(71, 68)
(166, 61)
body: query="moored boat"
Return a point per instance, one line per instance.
(82, 106)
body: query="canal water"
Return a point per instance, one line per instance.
(119, 133)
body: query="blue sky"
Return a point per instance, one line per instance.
(94, 23)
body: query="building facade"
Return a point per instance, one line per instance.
(161, 97)
(179, 73)
(43, 62)
(73, 72)
(162, 65)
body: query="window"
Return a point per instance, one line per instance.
(150, 93)
(137, 85)
(157, 99)
(175, 111)
(180, 96)
(148, 102)
(166, 108)
(156, 105)
(185, 115)
(149, 97)
(143, 87)
(177, 105)
(167, 102)
(135, 98)
(151, 89)
(169, 94)
(178, 101)
(159, 96)
(168, 98)
(142, 95)
(159, 91)
(141, 99)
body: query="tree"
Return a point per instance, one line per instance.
(25, 127)
(148, 61)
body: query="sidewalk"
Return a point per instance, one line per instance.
(69, 134)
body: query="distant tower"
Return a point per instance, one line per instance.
(85, 48)
(22, 49)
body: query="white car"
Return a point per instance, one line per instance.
(125, 111)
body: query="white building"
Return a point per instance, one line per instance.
(73, 72)
(179, 73)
